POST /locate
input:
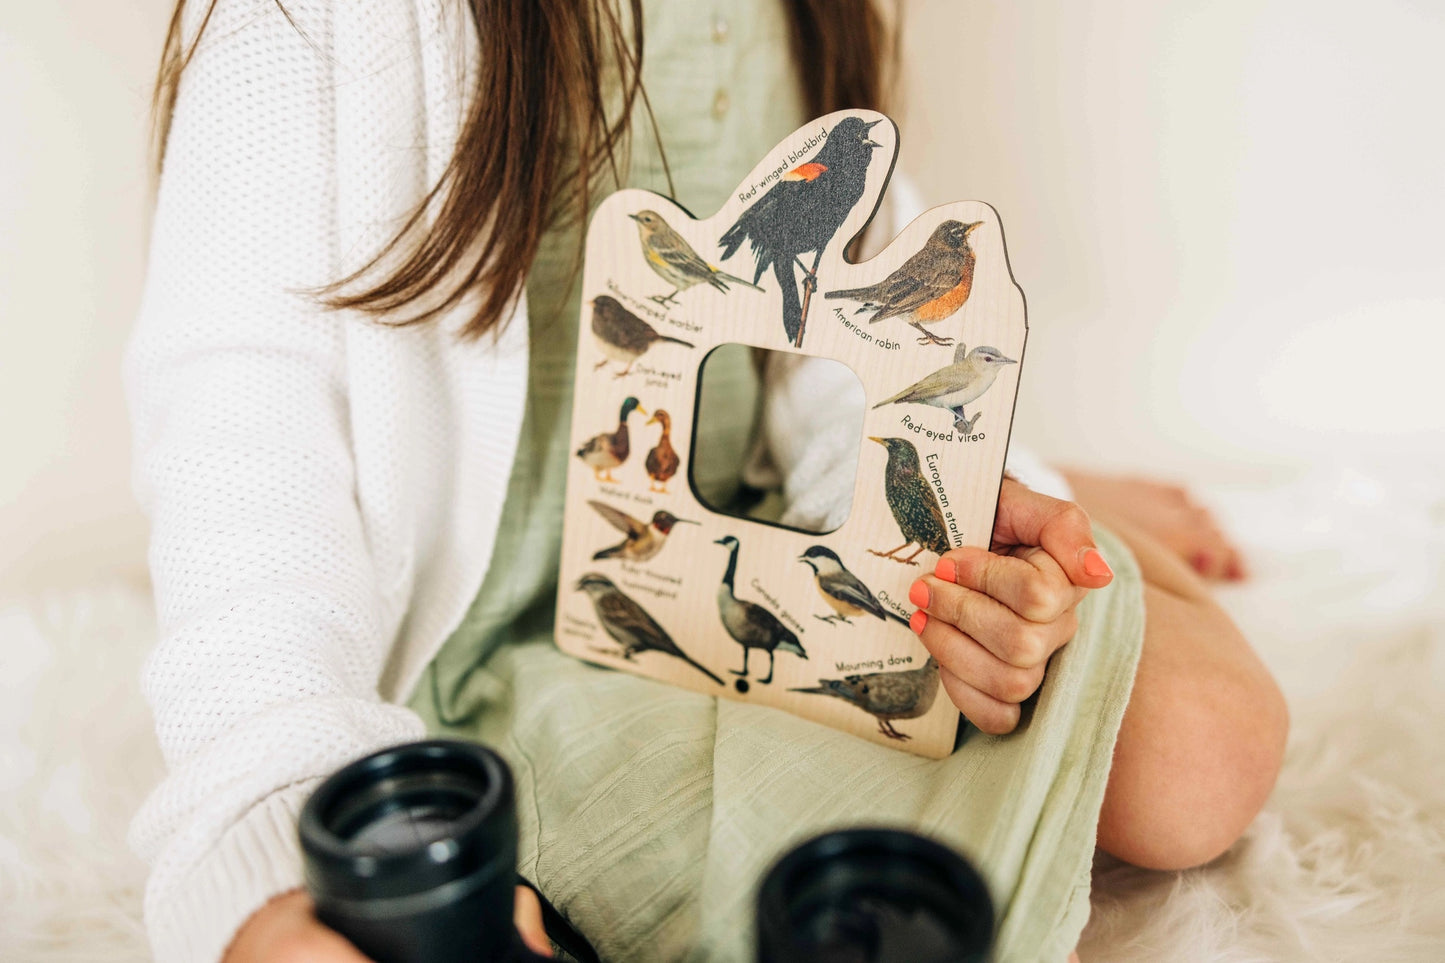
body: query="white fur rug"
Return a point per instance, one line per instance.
(1346, 863)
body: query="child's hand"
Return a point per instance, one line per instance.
(993, 618)
(286, 930)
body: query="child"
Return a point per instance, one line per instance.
(354, 494)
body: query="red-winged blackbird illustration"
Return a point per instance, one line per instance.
(802, 212)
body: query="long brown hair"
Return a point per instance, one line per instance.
(539, 138)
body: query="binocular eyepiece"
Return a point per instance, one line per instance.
(410, 853)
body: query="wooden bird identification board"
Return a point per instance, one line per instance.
(652, 580)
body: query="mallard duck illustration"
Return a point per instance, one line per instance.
(606, 451)
(961, 383)
(644, 539)
(622, 335)
(751, 625)
(887, 696)
(914, 505)
(662, 461)
(629, 624)
(844, 592)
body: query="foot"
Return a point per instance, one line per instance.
(1166, 512)
(930, 338)
(894, 557)
(963, 425)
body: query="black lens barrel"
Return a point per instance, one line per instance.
(411, 853)
(873, 896)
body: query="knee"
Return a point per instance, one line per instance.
(1185, 790)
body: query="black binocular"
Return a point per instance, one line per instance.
(410, 853)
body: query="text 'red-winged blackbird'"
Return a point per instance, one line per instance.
(802, 212)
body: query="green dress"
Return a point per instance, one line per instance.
(648, 813)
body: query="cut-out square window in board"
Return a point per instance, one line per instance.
(653, 581)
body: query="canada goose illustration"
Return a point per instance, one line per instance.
(751, 625)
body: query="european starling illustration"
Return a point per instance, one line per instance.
(961, 383)
(668, 253)
(802, 212)
(606, 451)
(751, 625)
(644, 539)
(662, 461)
(622, 335)
(629, 624)
(844, 592)
(887, 696)
(929, 287)
(914, 505)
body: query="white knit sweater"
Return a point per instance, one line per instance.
(324, 491)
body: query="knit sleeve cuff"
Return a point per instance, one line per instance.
(258, 858)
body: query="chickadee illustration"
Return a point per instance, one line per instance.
(844, 592)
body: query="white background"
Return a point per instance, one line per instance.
(1228, 218)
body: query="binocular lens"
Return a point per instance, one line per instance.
(411, 853)
(399, 814)
(873, 896)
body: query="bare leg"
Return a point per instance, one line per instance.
(1203, 737)
(1165, 512)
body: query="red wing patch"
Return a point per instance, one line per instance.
(805, 172)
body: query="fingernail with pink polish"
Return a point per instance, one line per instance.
(947, 570)
(919, 620)
(1095, 565)
(918, 594)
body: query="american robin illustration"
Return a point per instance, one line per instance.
(643, 539)
(802, 212)
(668, 253)
(914, 505)
(844, 592)
(606, 451)
(961, 383)
(751, 625)
(629, 624)
(887, 696)
(929, 287)
(622, 335)
(662, 461)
